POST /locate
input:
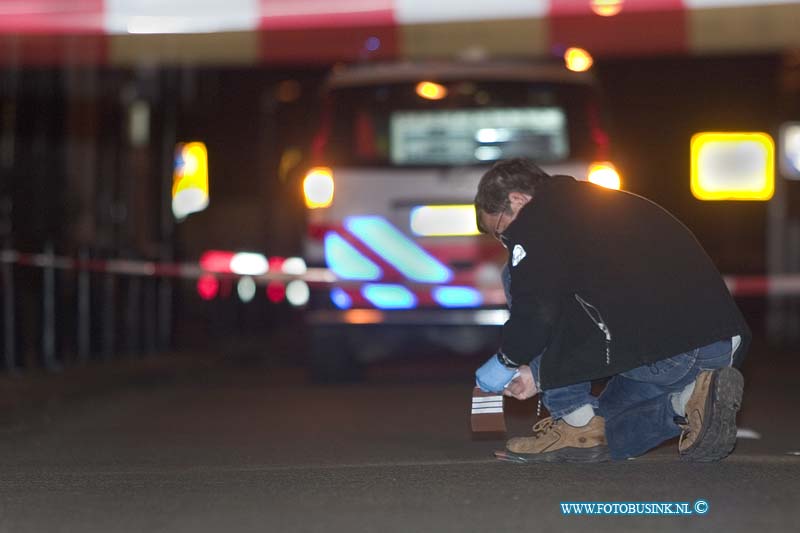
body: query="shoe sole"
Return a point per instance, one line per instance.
(718, 434)
(596, 454)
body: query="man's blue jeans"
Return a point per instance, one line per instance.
(637, 404)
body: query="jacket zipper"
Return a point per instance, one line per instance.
(599, 322)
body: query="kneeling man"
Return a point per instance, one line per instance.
(607, 284)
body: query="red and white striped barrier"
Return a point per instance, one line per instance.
(151, 268)
(123, 32)
(774, 285)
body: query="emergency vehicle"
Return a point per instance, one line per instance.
(394, 169)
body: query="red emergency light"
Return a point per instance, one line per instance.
(207, 287)
(276, 292)
(216, 261)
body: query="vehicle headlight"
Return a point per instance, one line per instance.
(318, 187)
(605, 175)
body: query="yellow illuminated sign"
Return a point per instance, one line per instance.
(190, 179)
(732, 166)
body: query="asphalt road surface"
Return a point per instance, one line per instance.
(223, 447)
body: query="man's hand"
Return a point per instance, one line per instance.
(493, 375)
(523, 386)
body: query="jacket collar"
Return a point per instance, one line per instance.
(515, 230)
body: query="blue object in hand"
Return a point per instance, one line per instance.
(493, 376)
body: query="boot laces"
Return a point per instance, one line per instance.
(543, 426)
(685, 430)
(684, 433)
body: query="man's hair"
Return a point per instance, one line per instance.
(512, 175)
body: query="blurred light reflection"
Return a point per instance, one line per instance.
(363, 316)
(578, 59)
(297, 293)
(207, 287)
(607, 8)
(431, 91)
(246, 289)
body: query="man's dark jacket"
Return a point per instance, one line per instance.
(581, 256)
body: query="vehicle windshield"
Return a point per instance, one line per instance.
(469, 123)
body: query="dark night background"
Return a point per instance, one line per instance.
(130, 403)
(249, 117)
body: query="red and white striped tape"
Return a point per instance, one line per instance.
(322, 31)
(774, 285)
(150, 268)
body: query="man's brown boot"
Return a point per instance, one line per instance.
(709, 427)
(555, 441)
